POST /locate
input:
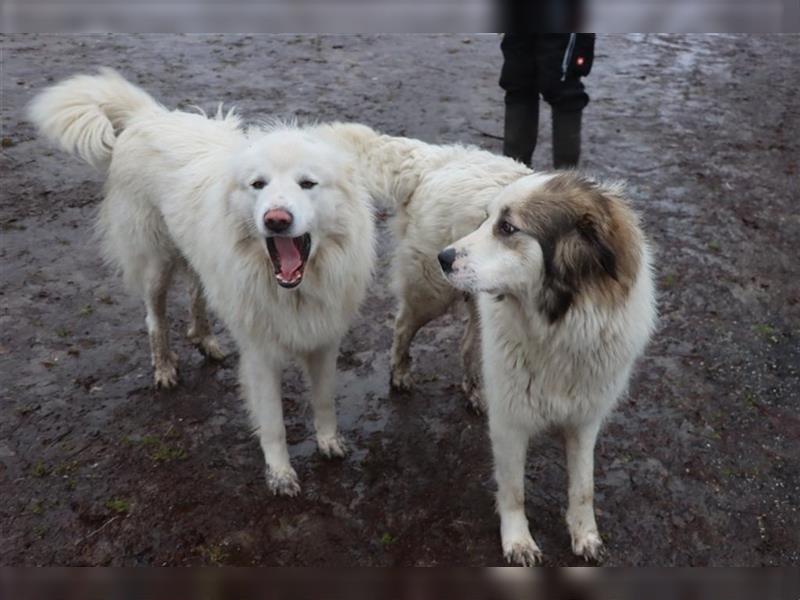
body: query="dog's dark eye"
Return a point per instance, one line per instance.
(307, 184)
(507, 228)
(258, 184)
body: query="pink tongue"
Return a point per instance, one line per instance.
(290, 255)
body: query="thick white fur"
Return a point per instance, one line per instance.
(538, 374)
(440, 193)
(179, 189)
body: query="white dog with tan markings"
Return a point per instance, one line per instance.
(272, 224)
(566, 301)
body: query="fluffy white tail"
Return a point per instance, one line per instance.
(84, 114)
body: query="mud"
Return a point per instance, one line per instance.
(699, 466)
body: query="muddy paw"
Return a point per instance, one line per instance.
(210, 348)
(589, 546)
(522, 552)
(284, 482)
(402, 380)
(472, 392)
(332, 446)
(166, 375)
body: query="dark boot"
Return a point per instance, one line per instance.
(521, 129)
(566, 138)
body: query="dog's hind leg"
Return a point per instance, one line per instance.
(411, 316)
(260, 376)
(157, 276)
(580, 441)
(199, 332)
(320, 367)
(471, 357)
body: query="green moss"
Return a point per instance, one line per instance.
(40, 470)
(215, 554)
(766, 331)
(118, 505)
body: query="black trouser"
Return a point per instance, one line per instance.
(535, 64)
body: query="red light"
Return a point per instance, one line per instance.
(579, 61)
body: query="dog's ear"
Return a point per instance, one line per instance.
(579, 256)
(555, 299)
(557, 292)
(583, 254)
(600, 253)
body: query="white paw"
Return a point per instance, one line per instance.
(332, 446)
(401, 379)
(589, 546)
(283, 482)
(522, 551)
(166, 374)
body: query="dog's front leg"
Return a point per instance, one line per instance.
(261, 381)
(509, 445)
(320, 367)
(580, 441)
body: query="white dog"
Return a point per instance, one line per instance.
(440, 193)
(566, 301)
(273, 221)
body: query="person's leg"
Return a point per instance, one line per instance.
(520, 130)
(563, 91)
(518, 79)
(566, 138)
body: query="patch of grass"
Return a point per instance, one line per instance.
(66, 468)
(40, 470)
(387, 539)
(161, 451)
(63, 332)
(166, 453)
(119, 506)
(39, 531)
(26, 409)
(86, 310)
(750, 398)
(214, 553)
(37, 507)
(766, 331)
(713, 246)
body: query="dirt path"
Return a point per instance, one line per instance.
(699, 466)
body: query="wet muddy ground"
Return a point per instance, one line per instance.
(699, 466)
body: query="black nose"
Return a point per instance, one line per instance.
(278, 220)
(446, 259)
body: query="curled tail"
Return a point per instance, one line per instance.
(84, 114)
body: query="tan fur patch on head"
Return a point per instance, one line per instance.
(590, 239)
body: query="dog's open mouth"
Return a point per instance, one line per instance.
(289, 257)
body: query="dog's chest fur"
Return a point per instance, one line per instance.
(550, 374)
